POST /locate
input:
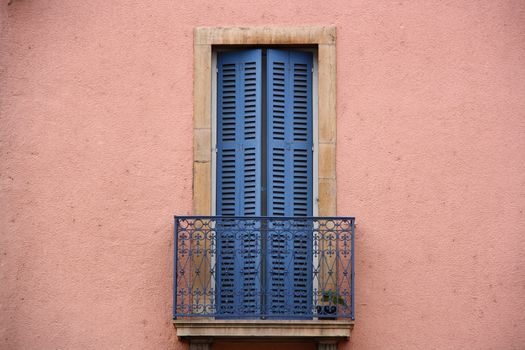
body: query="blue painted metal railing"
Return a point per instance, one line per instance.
(264, 267)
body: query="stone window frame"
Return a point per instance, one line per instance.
(324, 37)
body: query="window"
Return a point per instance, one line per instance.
(320, 38)
(264, 167)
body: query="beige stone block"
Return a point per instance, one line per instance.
(327, 160)
(202, 87)
(202, 145)
(327, 197)
(327, 93)
(265, 35)
(202, 188)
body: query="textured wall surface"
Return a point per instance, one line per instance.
(95, 158)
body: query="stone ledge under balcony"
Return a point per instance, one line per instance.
(314, 330)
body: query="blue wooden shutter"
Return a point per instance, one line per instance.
(289, 174)
(238, 182)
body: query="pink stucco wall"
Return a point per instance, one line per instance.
(96, 152)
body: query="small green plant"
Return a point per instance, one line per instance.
(332, 298)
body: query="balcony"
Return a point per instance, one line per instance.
(274, 277)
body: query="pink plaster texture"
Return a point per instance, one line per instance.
(96, 156)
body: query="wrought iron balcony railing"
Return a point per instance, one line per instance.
(264, 267)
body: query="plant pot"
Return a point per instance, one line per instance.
(326, 312)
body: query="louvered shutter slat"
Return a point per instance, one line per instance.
(238, 182)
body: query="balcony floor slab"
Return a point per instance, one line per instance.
(309, 330)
